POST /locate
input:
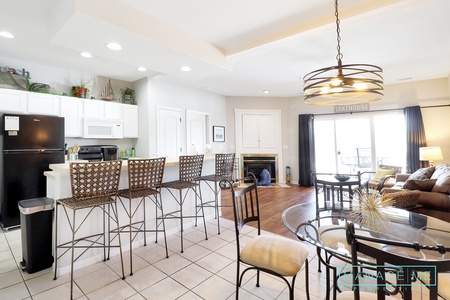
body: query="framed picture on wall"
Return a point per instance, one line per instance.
(218, 133)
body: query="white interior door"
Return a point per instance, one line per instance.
(170, 132)
(196, 127)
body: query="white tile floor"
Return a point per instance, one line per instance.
(206, 270)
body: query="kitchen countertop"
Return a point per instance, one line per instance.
(64, 167)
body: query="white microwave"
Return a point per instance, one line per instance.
(102, 129)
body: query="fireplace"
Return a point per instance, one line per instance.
(256, 163)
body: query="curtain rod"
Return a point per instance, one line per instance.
(378, 110)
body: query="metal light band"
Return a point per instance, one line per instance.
(359, 83)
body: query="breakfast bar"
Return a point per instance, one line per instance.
(59, 186)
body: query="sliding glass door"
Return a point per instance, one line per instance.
(360, 142)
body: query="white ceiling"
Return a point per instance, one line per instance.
(234, 47)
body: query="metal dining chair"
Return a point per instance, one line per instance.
(274, 255)
(224, 165)
(400, 271)
(144, 184)
(94, 186)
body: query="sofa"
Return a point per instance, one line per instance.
(432, 182)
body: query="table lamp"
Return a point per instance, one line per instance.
(430, 154)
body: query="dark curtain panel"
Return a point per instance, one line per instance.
(415, 138)
(306, 154)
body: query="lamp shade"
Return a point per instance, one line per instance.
(430, 153)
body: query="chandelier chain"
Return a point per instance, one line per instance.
(338, 31)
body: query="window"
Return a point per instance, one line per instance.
(360, 142)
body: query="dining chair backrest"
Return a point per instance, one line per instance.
(224, 164)
(246, 206)
(190, 167)
(145, 173)
(91, 180)
(410, 271)
(336, 192)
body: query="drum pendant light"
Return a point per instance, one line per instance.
(343, 84)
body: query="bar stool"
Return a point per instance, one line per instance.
(94, 185)
(224, 164)
(190, 170)
(144, 183)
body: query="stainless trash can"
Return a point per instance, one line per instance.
(36, 216)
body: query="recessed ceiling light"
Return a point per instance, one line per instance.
(86, 54)
(266, 91)
(114, 46)
(6, 34)
(142, 69)
(185, 69)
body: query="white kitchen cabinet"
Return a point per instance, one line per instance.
(43, 104)
(103, 110)
(72, 112)
(113, 110)
(130, 121)
(99, 109)
(13, 101)
(93, 109)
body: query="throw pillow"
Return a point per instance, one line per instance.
(425, 185)
(404, 198)
(440, 169)
(381, 173)
(443, 183)
(423, 173)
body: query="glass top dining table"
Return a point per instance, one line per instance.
(325, 229)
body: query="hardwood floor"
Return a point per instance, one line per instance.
(273, 201)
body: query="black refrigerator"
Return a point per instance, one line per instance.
(29, 143)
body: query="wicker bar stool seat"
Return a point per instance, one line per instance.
(190, 170)
(224, 165)
(94, 185)
(144, 184)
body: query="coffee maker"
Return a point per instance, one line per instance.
(109, 152)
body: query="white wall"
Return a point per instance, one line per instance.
(423, 93)
(160, 92)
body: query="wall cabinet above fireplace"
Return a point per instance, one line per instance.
(258, 131)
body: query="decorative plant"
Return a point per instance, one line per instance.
(81, 90)
(38, 87)
(128, 95)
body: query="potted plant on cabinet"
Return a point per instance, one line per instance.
(81, 90)
(128, 95)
